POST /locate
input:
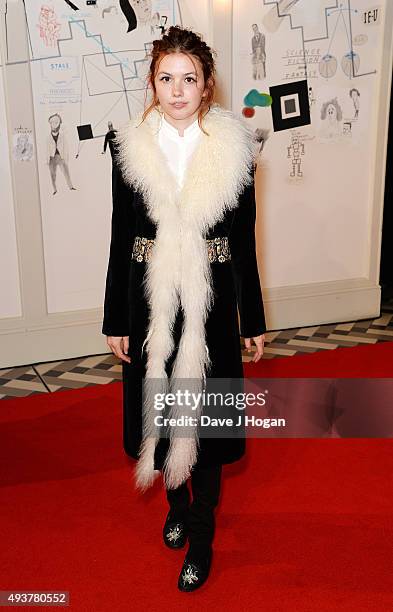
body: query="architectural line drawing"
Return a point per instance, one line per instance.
(272, 19)
(161, 26)
(132, 72)
(351, 60)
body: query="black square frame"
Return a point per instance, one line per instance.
(297, 92)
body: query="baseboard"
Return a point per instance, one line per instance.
(285, 307)
(335, 301)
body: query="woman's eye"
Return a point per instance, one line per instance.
(163, 78)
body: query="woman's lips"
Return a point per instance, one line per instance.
(179, 104)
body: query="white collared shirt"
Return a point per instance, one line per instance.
(178, 149)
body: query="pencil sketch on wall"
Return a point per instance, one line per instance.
(273, 18)
(295, 152)
(23, 146)
(258, 59)
(57, 150)
(311, 97)
(260, 137)
(331, 116)
(109, 139)
(355, 95)
(48, 26)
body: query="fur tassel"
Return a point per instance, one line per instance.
(145, 474)
(144, 471)
(184, 442)
(178, 464)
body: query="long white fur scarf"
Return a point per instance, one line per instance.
(179, 269)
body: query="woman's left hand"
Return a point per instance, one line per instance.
(259, 343)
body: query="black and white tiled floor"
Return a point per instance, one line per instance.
(104, 369)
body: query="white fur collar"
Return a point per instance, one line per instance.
(217, 172)
(179, 269)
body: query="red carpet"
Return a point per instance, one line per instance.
(367, 361)
(311, 530)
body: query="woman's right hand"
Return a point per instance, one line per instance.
(119, 346)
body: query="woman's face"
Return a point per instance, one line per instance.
(177, 82)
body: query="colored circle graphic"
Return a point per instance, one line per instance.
(248, 112)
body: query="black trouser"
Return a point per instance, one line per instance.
(199, 516)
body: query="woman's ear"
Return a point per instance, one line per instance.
(206, 90)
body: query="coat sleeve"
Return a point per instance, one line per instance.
(244, 265)
(116, 302)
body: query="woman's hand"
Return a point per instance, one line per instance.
(259, 343)
(119, 346)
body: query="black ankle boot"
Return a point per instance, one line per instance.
(195, 570)
(174, 532)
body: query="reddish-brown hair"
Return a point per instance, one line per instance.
(180, 40)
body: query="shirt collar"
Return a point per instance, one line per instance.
(190, 132)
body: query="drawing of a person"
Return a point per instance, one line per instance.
(311, 97)
(48, 25)
(355, 95)
(295, 150)
(258, 53)
(154, 23)
(57, 151)
(109, 136)
(331, 115)
(260, 137)
(23, 150)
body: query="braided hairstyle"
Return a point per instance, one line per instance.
(181, 40)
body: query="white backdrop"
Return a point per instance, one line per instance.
(314, 227)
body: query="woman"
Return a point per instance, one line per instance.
(182, 259)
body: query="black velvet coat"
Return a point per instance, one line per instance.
(236, 287)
